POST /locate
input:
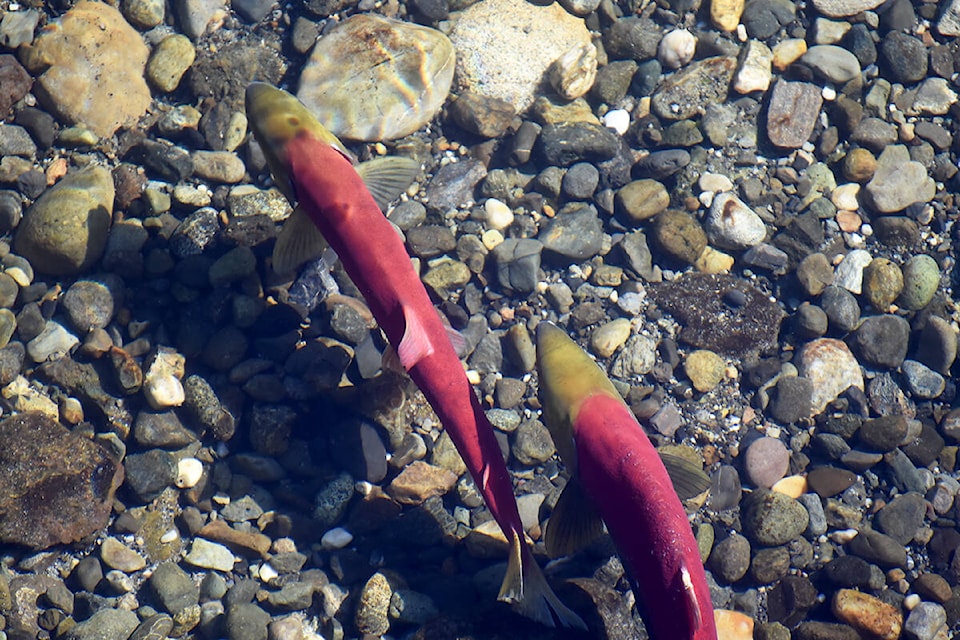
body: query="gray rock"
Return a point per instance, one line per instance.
(922, 381)
(772, 518)
(730, 558)
(246, 622)
(832, 63)
(902, 517)
(575, 233)
(174, 588)
(792, 113)
(883, 340)
(568, 143)
(518, 263)
(926, 621)
(532, 443)
(106, 624)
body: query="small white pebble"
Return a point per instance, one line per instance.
(677, 48)
(189, 472)
(911, 602)
(843, 536)
(499, 215)
(617, 119)
(169, 536)
(336, 538)
(268, 573)
(828, 93)
(715, 182)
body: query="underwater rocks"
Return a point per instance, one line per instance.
(396, 85)
(55, 487)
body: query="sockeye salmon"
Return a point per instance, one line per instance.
(618, 476)
(311, 166)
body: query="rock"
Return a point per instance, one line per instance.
(883, 340)
(688, 91)
(574, 72)
(898, 181)
(679, 235)
(792, 113)
(833, 63)
(246, 621)
(373, 606)
(725, 14)
(518, 264)
(831, 367)
(830, 481)
(730, 558)
(400, 74)
(174, 588)
(705, 369)
(91, 68)
(532, 444)
(568, 143)
(938, 345)
(65, 231)
(641, 200)
(609, 337)
(490, 36)
(882, 283)
(868, 614)
(922, 381)
(169, 61)
(119, 556)
(766, 461)
(731, 224)
(419, 481)
(772, 518)
(921, 276)
(56, 487)
(902, 517)
(754, 71)
(845, 8)
(210, 555)
(575, 233)
(105, 624)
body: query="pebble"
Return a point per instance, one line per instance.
(117, 555)
(420, 481)
(676, 48)
(792, 113)
(397, 86)
(66, 229)
(373, 606)
(730, 558)
(635, 359)
(898, 182)
(568, 143)
(189, 472)
(754, 72)
(773, 518)
(833, 63)
(532, 443)
(922, 381)
(921, 276)
(731, 224)
(94, 49)
(766, 461)
(575, 233)
(849, 273)
(705, 369)
(882, 283)
(867, 614)
(938, 345)
(883, 340)
(686, 92)
(642, 199)
(831, 367)
(210, 555)
(246, 621)
(608, 337)
(926, 621)
(105, 624)
(575, 72)
(725, 14)
(174, 588)
(169, 61)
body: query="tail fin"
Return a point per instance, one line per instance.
(526, 588)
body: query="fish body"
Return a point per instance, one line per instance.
(330, 192)
(622, 477)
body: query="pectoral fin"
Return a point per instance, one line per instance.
(415, 344)
(386, 178)
(688, 478)
(574, 522)
(299, 241)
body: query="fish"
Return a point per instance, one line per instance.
(321, 179)
(619, 479)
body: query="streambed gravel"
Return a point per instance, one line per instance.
(745, 212)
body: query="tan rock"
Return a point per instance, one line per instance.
(733, 625)
(867, 614)
(91, 64)
(247, 543)
(725, 14)
(420, 481)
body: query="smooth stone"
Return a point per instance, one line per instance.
(922, 381)
(199, 17)
(766, 461)
(145, 14)
(608, 337)
(518, 263)
(883, 434)
(883, 340)
(754, 72)
(575, 72)
(169, 62)
(832, 368)
(921, 277)
(792, 401)
(18, 27)
(105, 624)
(400, 75)
(730, 558)
(905, 56)
(898, 181)
(792, 113)
(575, 233)
(830, 481)
(420, 481)
(938, 344)
(831, 62)
(210, 555)
(676, 48)
(491, 36)
(119, 556)
(532, 444)
(568, 143)
(91, 68)
(731, 224)
(632, 37)
(845, 8)
(882, 283)
(725, 14)
(65, 231)
(934, 97)
(849, 273)
(705, 369)
(772, 518)
(679, 235)
(867, 614)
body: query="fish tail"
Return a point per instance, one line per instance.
(526, 588)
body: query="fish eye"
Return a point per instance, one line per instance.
(293, 121)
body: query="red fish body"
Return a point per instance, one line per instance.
(622, 472)
(333, 195)
(619, 476)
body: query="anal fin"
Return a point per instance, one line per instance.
(574, 522)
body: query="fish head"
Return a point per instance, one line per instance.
(277, 118)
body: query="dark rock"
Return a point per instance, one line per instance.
(902, 517)
(883, 434)
(518, 264)
(699, 302)
(55, 486)
(883, 340)
(848, 571)
(661, 164)
(453, 185)
(575, 233)
(567, 143)
(149, 473)
(16, 83)
(878, 548)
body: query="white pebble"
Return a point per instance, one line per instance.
(336, 538)
(499, 215)
(911, 601)
(616, 119)
(267, 573)
(715, 182)
(169, 536)
(828, 93)
(189, 472)
(677, 48)
(843, 536)
(844, 197)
